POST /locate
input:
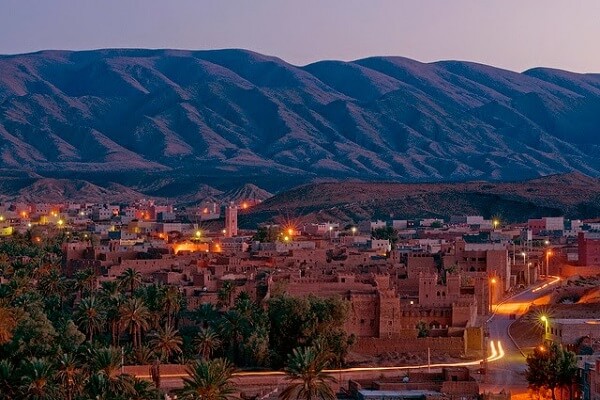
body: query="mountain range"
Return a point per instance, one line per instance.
(226, 117)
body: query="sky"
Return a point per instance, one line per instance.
(512, 34)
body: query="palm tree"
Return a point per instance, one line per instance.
(37, 379)
(142, 390)
(206, 314)
(90, 316)
(135, 316)
(171, 304)
(208, 380)
(8, 325)
(307, 379)
(106, 368)
(130, 279)
(207, 342)
(112, 300)
(86, 281)
(68, 375)
(166, 342)
(8, 380)
(225, 292)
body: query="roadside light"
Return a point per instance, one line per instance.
(544, 319)
(1, 217)
(493, 281)
(353, 230)
(224, 231)
(496, 223)
(290, 231)
(198, 233)
(60, 222)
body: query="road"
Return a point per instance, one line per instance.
(507, 373)
(506, 364)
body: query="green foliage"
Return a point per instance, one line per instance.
(422, 329)
(551, 367)
(307, 381)
(299, 322)
(208, 380)
(388, 233)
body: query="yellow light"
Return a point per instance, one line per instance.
(543, 318)
(353, 229)
(60, 222)
(198, 233)
(1, 217)
(224, 231)
(286, 238)
(493, 281)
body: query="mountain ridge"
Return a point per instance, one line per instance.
(237, 112)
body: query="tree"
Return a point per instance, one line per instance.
(305, 373)
(8, 323)
(422, 329)
(225, 292)
(166, 342)
(90, 316)
(130, 279)
(551, 367)
(37, 379)
(135, 316)
(8, 380)
(68, 374)
(207, 342)
(208, 380)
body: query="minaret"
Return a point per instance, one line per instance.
(231, 226)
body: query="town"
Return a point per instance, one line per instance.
(417, 292)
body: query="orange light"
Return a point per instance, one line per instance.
(493, 281)
(244, 205)
(290, 231)
(23, 214)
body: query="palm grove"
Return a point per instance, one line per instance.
(65, 337)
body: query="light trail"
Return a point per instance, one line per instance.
(496, 354)
(555, 279)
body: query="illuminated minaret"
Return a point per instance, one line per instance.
(231, 227)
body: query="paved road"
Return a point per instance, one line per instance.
(508, 373)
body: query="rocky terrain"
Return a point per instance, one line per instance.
(573, 195)
(241, 117)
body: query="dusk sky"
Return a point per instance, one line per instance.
(513, 34)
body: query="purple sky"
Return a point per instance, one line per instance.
(514, 34)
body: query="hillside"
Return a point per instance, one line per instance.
(233, 113)
(573, 195)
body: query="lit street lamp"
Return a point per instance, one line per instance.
(492, 285)
(544, 319)
(524, 257)
(548, 254)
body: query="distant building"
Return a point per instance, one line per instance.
(231, 224)
(588, 244)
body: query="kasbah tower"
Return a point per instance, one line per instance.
(231, 224)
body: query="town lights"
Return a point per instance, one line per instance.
(60, 222)
(496, 223)
(198, 234)
(353, 229)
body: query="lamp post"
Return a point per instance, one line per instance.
(544, 319)
(524, 258)
(548, 254)
(492, 285)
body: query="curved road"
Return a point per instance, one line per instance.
(508, 373)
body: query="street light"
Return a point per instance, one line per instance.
(496, 223)
(353, 229)
(492, 285)
(548, 254)
(544, 319)
(524, 257)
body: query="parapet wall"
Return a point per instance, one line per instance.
(375, 346)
